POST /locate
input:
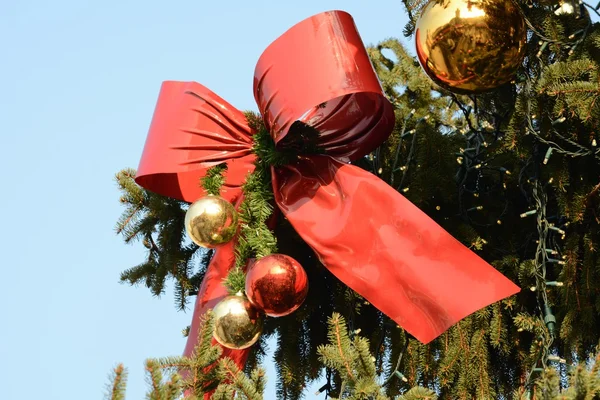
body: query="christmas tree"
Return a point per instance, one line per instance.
(510, 169)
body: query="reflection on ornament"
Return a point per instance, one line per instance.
(211, 221)
(470, 46)
(572, 7)
(565, 8)
(276, 284)
(238, 324)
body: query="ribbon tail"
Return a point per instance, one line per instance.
(384, 247)
(210, 293)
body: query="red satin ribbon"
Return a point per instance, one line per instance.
(210, 293)
(364, 232)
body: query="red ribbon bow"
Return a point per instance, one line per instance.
(365, 232)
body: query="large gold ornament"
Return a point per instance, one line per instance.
(471, 46)
(238, 324)
(211, 221)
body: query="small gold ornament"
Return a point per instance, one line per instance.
(471, 46)
(238, 324)
(211, 221)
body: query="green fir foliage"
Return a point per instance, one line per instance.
(214, 179)
(236, 280)
(352, 360)
(264, 146)
(581, 383)
(302, 138)
(255, 240)
(158, 222)
(235, 381)
(118, 381)
(418, 393)
(201, 373)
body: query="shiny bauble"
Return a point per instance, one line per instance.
(211, 221)
(238, 324)
(277, 284)
(470, 46)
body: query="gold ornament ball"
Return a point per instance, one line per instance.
(238, 324)
(211, 221)
(471, 46)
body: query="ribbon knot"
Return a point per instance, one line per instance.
(315, 86)
(303, 140)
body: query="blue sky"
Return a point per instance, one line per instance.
(79, 83)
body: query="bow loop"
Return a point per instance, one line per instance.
(319, 73)
(192, 130)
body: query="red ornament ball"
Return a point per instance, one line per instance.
(277, 284)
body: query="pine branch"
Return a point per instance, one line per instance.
(214, 179)
(229, 372)
(267, 153)
(366, 363)
(118, 385)
(255, 239)
(419, 393)
(548, 384)
(224, 392)
(172, 389)
(205, 354)
(352, 360)
(154, 377)
(158, 222)
(235, 280)
(255, 121)
(259, 379)
(204, 371)
(342, 342)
